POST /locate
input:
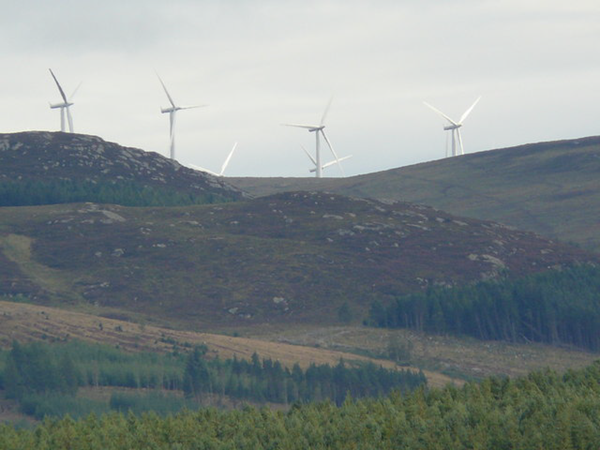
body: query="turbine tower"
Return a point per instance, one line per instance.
(319, 130)
(324, 166)
(223, 167)
(454, 127)
(172, 110)
(65, 105)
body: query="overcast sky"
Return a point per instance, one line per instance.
(257, 64)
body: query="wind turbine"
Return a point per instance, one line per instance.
(455, 127)
(172, 110)
(319, 130)
(223, 167)
(65, 105)
(324, 166)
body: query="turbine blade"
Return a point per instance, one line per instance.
(202, 169)
(75, 91)
(440, 113)
(460, 143)
(62, 93)
(337, 160)
(331, 163)
(326, 111)
(468, 111)
(192, 107)
(166, 92)
(330, 146)
(298, 125)
(314, 161)
(70, 119)
(224, 166)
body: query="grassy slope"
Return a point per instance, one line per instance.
(291, 344)
(25, 322)
(551, 188)
(454, 356)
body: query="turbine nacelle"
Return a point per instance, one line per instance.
(310, 128)
(454, 126)
(179, 108)
(61, 105)
(64, 106)
(172, 110)
(319, 131)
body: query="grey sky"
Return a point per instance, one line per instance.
(260, 63)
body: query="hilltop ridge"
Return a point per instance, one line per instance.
(39, 167)
(552, 188)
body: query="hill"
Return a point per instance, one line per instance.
(39, 168)
(551, 188)
(294, 257)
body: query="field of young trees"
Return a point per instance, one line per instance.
(544, 410)
(44, 379)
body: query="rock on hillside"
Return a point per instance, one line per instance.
(52, 156)
(289, 257)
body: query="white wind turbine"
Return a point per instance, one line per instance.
(455, 127)
(319, 130)
(172, 110)
(324, 166)
(65, 105)
(223, 167)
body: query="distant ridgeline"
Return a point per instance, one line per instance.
(553, 307)
(38, 168)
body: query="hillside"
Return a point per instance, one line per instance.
(45, 168)
(551, 188)
(296, 257)
(25, 323)
(289, 345)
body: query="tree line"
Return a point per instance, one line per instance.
(268, 381)
(44, 379)
(126, 193)
(544, 410)
(559, 307)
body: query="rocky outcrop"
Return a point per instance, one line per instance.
(44, 156)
